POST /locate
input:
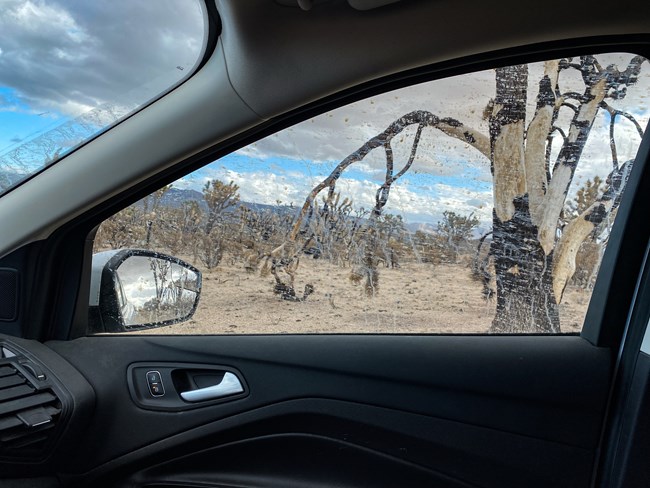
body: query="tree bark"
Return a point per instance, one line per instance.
(525, 299)
(523, 271)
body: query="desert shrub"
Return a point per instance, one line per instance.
(124, 229)
(210, 249)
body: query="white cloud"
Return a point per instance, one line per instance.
(415, 206)
(68, 57)
(39, 17)
(336, 134)
(259, 187)
(447, 174)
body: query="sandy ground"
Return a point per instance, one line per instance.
(416, 298)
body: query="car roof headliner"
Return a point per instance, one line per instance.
(279, 58)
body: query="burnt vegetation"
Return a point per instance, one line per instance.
(540, 239)
(206, 228)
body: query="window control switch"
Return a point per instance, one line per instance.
(154, 381)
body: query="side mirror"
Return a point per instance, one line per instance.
(135, 289)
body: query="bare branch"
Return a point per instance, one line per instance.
(549, 149)
(538, 130)
(582, 226)
(599, 84)
(560, 130)
(382, 193)
(612, 141)
(613, 112)
(414, 149)
(639, 129)
(389, 160)
(449, 126)
(573, 96)
(618, 82)
(596, 86)
(569, 105)
(547, 157)
(457, 130)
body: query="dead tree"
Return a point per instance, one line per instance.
(218, 198)
(532, 264)
(367, 267)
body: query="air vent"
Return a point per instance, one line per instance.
(27, 415)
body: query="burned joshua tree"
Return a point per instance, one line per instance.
(532, 261)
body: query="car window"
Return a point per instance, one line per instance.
(480, 203)
(70, 70)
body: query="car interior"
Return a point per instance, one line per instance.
(81, 408)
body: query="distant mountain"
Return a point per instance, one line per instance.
(175, 197)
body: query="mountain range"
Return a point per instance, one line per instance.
(175, 197)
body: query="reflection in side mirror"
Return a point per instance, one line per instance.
(134, 289)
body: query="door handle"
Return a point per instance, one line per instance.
(229, 385)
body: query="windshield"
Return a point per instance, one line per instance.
(70, 70)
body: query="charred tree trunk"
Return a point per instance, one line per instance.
(523, 270)
(531, 266)
(532, 263)
(524, 280)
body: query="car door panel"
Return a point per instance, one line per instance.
(429, 410)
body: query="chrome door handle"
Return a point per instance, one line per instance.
(230, 385)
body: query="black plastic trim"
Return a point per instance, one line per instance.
(622, 264)
(629, 465)
(549, 388)
(16, 293)
(452, 454)
(622, 398)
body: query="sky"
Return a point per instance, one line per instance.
(77, 66)
(447, 175)
(70, 68)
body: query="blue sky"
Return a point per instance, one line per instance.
(420, 197)
(19, 121)
(419, 182)
(69, 69)
(447, 175)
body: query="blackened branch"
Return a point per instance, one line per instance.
(613, 112)
(560, 130)
(414, 149)
(612, 141)
(571, 106)
(422, 118)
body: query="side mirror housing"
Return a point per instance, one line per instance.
(136, 289)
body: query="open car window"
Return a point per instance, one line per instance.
(71, 70)
(480, 203)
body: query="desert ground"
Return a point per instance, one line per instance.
(414, 298)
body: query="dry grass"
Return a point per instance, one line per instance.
(416, 298)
